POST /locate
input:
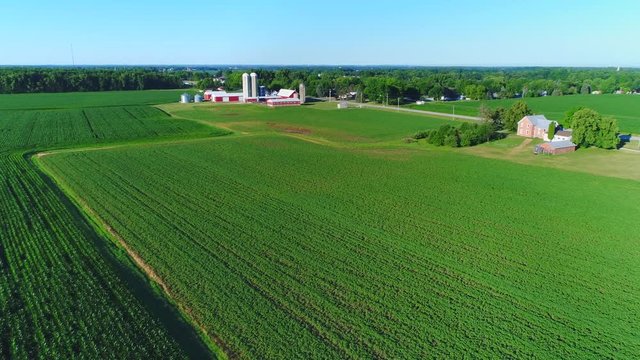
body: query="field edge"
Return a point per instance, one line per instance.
(133, 260)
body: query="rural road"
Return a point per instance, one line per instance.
(393, 108)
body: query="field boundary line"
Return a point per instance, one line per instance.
(215, 344)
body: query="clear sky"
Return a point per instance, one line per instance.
(358, 32)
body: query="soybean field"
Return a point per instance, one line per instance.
(284, 248)
(66, 291)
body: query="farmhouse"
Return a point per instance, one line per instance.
(555, 147)
(534, 126)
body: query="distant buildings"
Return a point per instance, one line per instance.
(283, 102)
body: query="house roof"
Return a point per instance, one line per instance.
(561, 144)
(286, 92)
(564, 133)
(539, 121)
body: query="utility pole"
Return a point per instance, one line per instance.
(387, 103)
(454, 112)
(398, 104)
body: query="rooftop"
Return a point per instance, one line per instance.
(561, 144)
(539, 121)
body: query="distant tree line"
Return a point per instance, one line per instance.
(380, 84)
(35, 80)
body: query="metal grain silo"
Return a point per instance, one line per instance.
(185, 98)
(198, 98)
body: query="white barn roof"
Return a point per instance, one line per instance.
(286, 92)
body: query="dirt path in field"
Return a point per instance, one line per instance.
(518, 149)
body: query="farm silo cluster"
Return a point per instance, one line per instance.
(252, 93)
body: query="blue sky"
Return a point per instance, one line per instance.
(462, 32)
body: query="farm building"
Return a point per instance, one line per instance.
(534, 126)
(223, 96)
(555, 148)
(207, 95)
(562, 135)
(287, 94)
(283, 102)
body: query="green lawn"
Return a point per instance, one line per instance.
(625, 108)
(288, 249)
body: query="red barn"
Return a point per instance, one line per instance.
(283, 102)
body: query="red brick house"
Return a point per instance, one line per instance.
(534, 126)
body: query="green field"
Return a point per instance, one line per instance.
(309, 233)
(87, 99)
(321, 121)
(625, 108)
(285, 247)
(65, 290)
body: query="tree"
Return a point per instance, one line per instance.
(492, 117)
(515, 113)
(551, 132)
(591, 129)
(586, 89)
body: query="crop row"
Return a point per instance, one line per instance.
(293, 250)
(43, 129)
(61, 291)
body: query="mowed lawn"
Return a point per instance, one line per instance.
(284, 248)
(625, 108)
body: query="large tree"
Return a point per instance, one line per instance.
(515, 113)
(592, 129)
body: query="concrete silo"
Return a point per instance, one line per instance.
(246, 86)
(254, 85)
(302, 93)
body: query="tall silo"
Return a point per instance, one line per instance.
(302, 93)
(254, 84)
(246, 85)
